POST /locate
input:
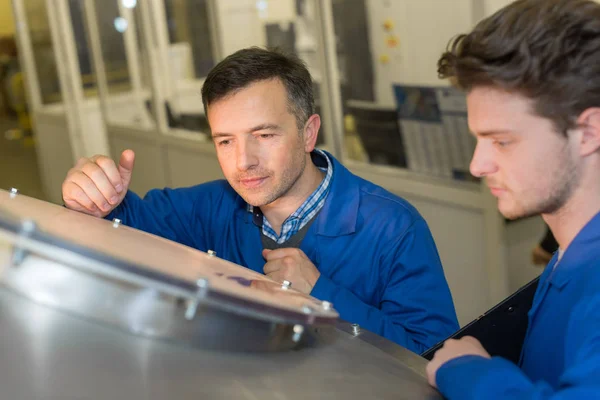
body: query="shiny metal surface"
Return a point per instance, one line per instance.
(133, 254)
(80, 319)
(145, 284)
(50, 355)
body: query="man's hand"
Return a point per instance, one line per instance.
(291, 265)
(452, 349)
(96, 185)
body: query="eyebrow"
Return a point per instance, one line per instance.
(261, 127)
(265, 127)
(493, 132)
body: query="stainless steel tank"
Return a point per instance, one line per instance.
(91, 309)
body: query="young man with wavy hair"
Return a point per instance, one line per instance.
(532, 76)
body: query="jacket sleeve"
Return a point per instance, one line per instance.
(416, 309)
(168, 213)
(474, 377)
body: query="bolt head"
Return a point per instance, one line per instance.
(202, 283)
(307, 310)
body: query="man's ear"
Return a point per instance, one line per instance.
(589, 124)
(311, 132)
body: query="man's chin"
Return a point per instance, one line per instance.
(255, 200)
(514, 214)
(508, 211)
(511, 216)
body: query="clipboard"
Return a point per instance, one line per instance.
(502, 329)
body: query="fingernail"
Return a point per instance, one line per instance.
(119, 188)
(105, 207)
(114, 199)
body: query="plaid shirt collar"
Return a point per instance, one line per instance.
(306, 212)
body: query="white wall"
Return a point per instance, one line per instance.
(239, 25)
(277, 10)
(55, 155)
(423, 29)
(491, 6)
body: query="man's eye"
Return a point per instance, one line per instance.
(502, 143)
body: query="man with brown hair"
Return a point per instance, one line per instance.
(532, 77)
(287, 209)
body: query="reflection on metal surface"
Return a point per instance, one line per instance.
(64, 357)
(298, 331)
(142, 281)
(200, 303)
(19, 253)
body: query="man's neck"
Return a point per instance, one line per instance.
(279, 210)
(567, 222)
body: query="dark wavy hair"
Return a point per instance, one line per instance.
(546, 50)
(254, 64)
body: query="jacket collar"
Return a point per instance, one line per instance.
(583, 252)
(339, 214)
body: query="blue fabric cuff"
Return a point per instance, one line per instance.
(471, 377)
(323, 289)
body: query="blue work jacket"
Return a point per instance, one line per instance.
(378, 262)
(561, 352)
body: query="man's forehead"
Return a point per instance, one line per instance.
(492, 109)
(261, 91)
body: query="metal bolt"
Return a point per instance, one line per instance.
(355, 329)
(190, 311)
(27, 228)
(202, 285)
(116, 222)
(212, 253)
(286, 285)
(326, 305)
(307, 310)
(18, 256)
(13, 192)
(298, 331)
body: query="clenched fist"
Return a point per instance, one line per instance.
(292, 265)
(97, 185)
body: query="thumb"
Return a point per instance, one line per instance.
(265, 252)
(126, 167)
